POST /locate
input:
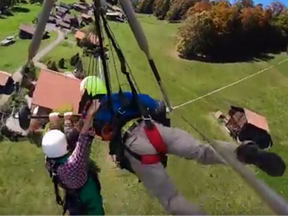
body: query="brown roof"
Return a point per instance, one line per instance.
(81, 7)
(4, 78)
(85, 16)
(53, 90)
(92, 37)
(256, 119)
(68, 17)
(27, 28)
(63, 24)
(79, 35)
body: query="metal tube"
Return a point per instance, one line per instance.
(40, 28)
(143, 44)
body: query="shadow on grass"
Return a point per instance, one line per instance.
(46, 37)
(237, 57)
(20, 9)
(233, 59)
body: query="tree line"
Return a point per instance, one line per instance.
(221, 30)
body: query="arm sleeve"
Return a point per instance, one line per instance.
(79, 158)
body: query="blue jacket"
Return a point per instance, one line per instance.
(104, 114)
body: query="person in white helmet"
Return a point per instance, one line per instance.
(72, 170)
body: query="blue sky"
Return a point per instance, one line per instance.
(267, 2)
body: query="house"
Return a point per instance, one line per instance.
(6, 83)
(52, 19)
(80, 8)
(27, 31)
(86, 18)
(71, 20)
(54, 91)
(115, 16)
(245, 124)
(63, 5)
(61, 10)
(79, 35)
(86, 40)
(60, 23)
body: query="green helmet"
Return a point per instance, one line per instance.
(93, 85)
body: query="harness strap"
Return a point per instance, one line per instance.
(154, 138)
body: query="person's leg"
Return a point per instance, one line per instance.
(156, 180)
(182, 144)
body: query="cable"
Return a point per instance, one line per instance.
(97, 11)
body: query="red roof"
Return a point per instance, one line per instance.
(4, 78)
(55, 90)
(256, 120)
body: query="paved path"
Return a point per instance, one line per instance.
(17, 76)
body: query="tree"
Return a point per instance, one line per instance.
(145, 6)
(61, 63)
(79, 65)
(30, 71)
(196, 35)
(51, 65)
(74, 59)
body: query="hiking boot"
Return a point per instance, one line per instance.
(269, 162)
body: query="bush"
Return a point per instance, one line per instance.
(52, 66)
(74, 59)
(61, 63)
(79, 65)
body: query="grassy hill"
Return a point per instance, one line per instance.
(26, 188)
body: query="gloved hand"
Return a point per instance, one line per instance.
(269, 162)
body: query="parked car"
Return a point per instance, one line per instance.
(8, 41)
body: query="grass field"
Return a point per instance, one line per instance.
(26, 188)
(15, 55)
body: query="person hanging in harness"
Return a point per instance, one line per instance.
(67, 161)
(142, 149)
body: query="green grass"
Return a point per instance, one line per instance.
(15, 55)
(63, 50)
(9, 25)
(217, 189)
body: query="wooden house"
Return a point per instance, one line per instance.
(27, 31)
(245, 124)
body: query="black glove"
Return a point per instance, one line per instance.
(269, 162)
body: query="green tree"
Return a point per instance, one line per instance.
(196, 35)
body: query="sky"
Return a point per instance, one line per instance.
(266, 2)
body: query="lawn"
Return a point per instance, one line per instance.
(15, 55)
(26, 188)
(9, 25)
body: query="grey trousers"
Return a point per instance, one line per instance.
(155, 177)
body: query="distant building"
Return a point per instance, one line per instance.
(62, 24)
(27, 31)
(115, 16)
(71, 20)
(86, 18)
(81, 8)
(6, 83)
(86, 40)
(245, 124)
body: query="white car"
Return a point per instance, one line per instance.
(7, 41)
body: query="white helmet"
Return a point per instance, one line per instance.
(54, 144)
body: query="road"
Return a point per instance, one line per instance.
(17, 76)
